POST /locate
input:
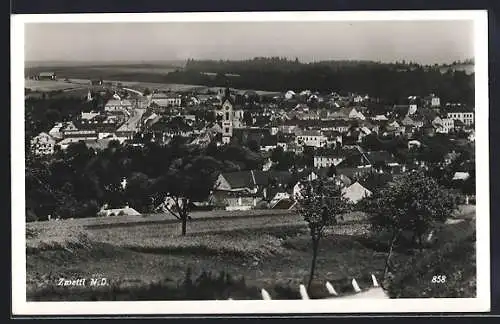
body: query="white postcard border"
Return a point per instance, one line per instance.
(480, 304)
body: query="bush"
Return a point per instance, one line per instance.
(31, 216)
(456, 260)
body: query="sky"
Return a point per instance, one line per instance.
(425, 42)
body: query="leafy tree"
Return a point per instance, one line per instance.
(276, 154)
(247, 118)
(188, 180)
(413, 203)
(137, 192)
(320, 203)
(254, 146)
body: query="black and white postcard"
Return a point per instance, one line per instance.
(250, 163)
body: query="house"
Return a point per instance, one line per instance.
(117, 105)
(467, 118)
(355, 114)
(380, 159)
(46, 76)
(348, 113)
(57, 132)
(443, 125)
(150, 119)
(82, 134)
(244, 189)
(310, 138)
(380, 118)
(327, 158)
(279, 197)
(96, 82)
(43, 144)
(376, 180)
(462, 176)
(412, 121)
(89, 115)
(269, 143)
(433, 101)
(126, 211)
(355, 192)
(165, 100)
(414, 144)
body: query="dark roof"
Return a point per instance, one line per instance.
(352, 173)
(228, 97)
(375, 181)
(284, 204)
(353, 160)
(249, 179)
(269, 140)
(379, 157)
(239, 179)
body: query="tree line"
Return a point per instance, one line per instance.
(388, 81)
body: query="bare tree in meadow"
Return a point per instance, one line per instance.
(320, 203)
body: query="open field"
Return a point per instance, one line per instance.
(51, 85)
(270, 250)
(132, 69)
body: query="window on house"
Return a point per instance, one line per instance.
(227, 116)
(227, 130)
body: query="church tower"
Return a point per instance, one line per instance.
(89, 96)
(227, 117)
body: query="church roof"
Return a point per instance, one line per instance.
(228, 97)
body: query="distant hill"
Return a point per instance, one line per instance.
(49, 64)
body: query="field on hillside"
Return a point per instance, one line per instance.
(269, 250)
(50, 85)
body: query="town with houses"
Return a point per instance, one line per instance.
(331, 129)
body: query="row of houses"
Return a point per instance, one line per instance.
(244, 190)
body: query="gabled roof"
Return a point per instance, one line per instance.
(239, 179)
(252, 178)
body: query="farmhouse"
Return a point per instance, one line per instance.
(46, 76)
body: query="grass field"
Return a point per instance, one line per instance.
(270, 250)
(50, 85)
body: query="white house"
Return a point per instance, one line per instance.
(311, 138)
(89, 115)
(289, 94)
(166, 100)
(435, 102)
(42, 144)
(326, 160)
(355, 192)
(465, 117)
(354, 114)
(118, 105)
(446, 125)
(380, 118)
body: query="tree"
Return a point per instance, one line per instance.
(413, 203)
(188, 180)
(320, 202)
(276, 154)
(247, 118)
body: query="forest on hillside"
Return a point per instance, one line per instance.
(389, 81)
